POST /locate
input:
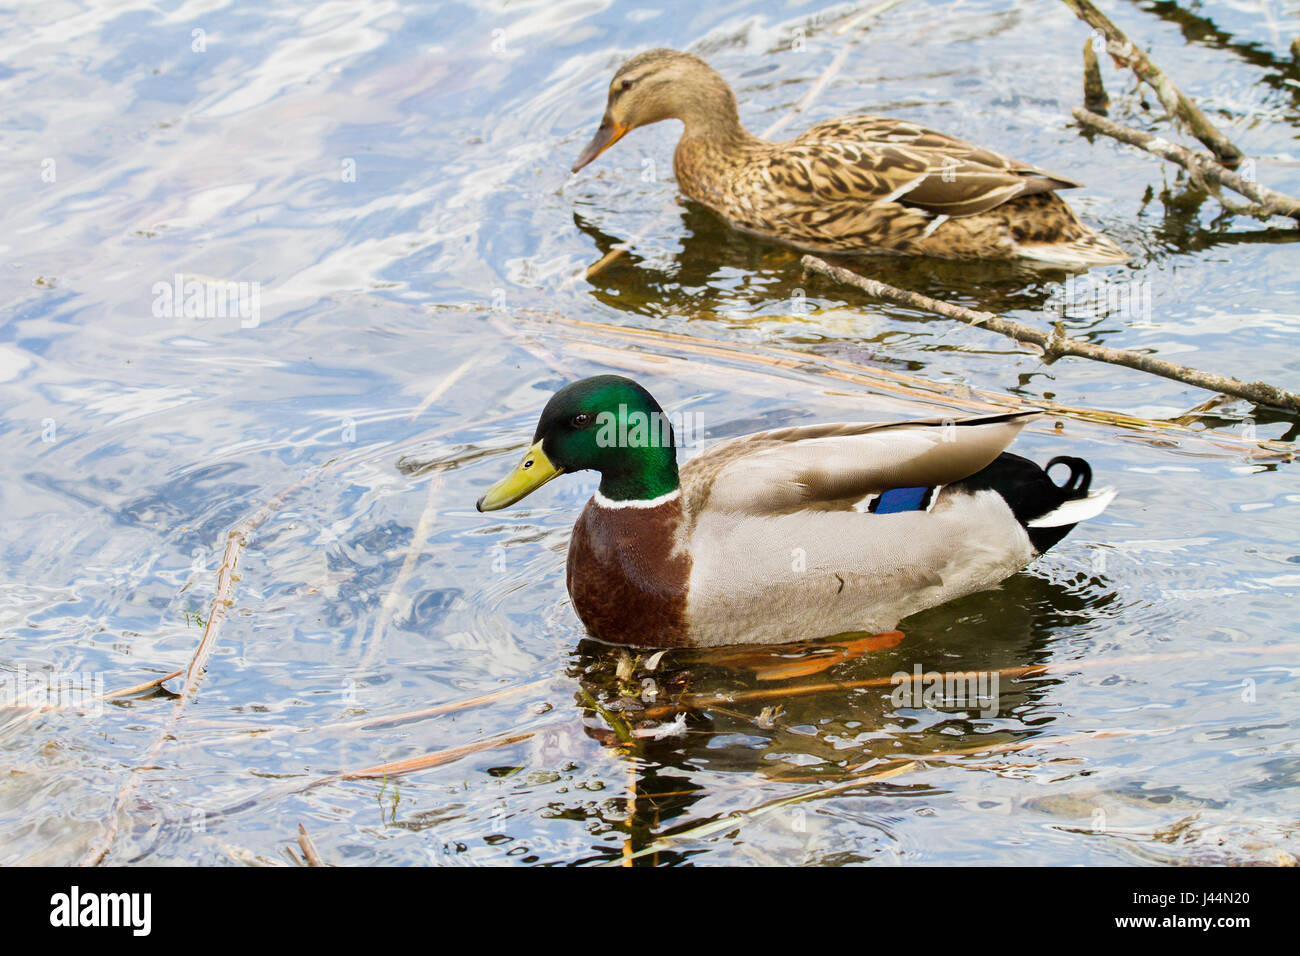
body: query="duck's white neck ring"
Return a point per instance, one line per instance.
(604, 502)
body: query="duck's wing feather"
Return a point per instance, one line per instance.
(832, 467)
(873, 159)
(768, 578)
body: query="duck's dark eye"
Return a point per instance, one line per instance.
(581, 420)
(625, 85)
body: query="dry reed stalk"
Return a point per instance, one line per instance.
(910, 386)
(372, 722)
(236, 542)
(859, 23)
(538, 351)
(375, 645)
(308, 848)
(704, 701)
(894, 767)
(35, 712)
(631, 804)
(740, 817)
(394, 768)
(366, 723)
(141, 688)
(442, 387)
(435, 759)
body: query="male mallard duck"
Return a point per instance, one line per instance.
(859, 184)
(789, 534)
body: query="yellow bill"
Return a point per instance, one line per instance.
(529, 475)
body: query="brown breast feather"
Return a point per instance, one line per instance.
(627, 576)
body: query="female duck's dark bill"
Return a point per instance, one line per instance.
(529, 475)
(608, 134)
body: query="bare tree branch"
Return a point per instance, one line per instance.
(1177, 103)
(1057, 344)
(1203, 167)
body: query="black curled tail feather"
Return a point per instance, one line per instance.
(1030, 492)
(1080, 475)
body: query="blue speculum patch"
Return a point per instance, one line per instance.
(900, 499)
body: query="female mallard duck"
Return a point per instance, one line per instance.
(789, 534)
(859, 184)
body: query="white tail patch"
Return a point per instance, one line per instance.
(1094, 250)
(1080, 509)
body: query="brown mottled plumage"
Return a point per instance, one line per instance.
(858, 184)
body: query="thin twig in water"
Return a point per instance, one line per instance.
(858, 23)
(740, 817)
(141, 688)
(1205, 169)
(367, 723)
(308, 848)
(435, 759)
(1094, 90)
(859, 777)
(706, 701)
(375, 645)
(236, 542)
(382, 771)
(1057, 344)
(112, 695)
(616, 723)
(633, 774)
(441, 388)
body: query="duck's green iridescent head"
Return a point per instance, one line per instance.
(608, 424)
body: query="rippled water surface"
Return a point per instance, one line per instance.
(394, 177)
